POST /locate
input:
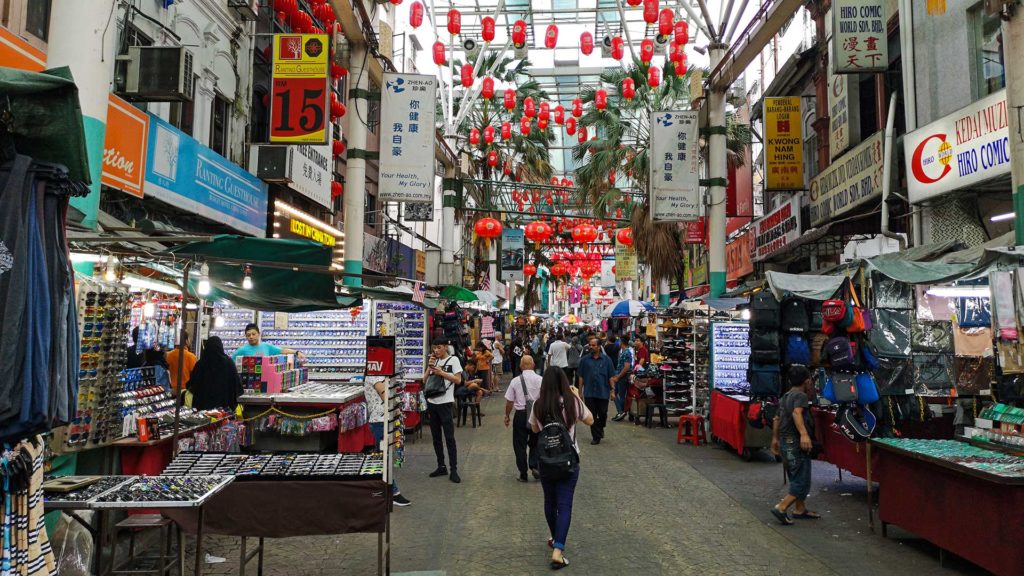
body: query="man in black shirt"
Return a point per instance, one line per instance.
(611, 347)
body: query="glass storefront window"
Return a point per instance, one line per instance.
(988, 51)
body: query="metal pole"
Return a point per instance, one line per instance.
(909, 92)
(448, 205)
(179, 394)
(718, 172)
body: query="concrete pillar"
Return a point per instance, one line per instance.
(355, 168)
(448, 204)
(664, 287)
(80, 39)
(1013, 43)
(719, 173)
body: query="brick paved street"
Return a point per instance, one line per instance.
(643, 506)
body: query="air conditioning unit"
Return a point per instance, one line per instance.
(159, 74)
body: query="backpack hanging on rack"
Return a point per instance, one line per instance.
(794, 315)
(764, 311)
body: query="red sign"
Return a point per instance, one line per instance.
(737, 257)
(299, 99)
(695, 231)
(380, 355)
(739, 193)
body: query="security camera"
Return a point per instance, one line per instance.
(660, 40)
(469, 44)
(607, 41)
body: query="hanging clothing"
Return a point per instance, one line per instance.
(215, 382)
(27, 550)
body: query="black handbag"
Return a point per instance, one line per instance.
(436, 386)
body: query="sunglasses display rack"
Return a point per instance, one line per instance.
(162, 492)
(333, 342)
(292, 465)
(103, 312)
(94, 487)
(407, 322)
(142, 397)
(730, 354)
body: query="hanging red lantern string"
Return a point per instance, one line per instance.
(682, 32)
(600, 99)
(506, 131)
(559, 114)
(489, 134)
(474, 136)
(338, 147)
(509, 99)
(570, 126)
(529, 109)
(337, 189)
(454, 22)
(577, 107)
(647, 51)
(680, 65)
(524, 126)
(487, 28)
(617, 48)
(586, 43)
(654, 76)
(467, 75)
(665, 21)
(545, 111)
(650, 11)
(628, 88)
(492, 156)
(416, 15)
(338, 109)
(519, 34)
(582, 132)
(542, 123)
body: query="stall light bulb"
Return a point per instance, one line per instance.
(218, 322)
(247, 280)
(745, 314)
(111, 274)
(148, 309)
(204, 281)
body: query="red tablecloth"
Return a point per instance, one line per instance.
(971, 517)
(729, 420)
(356, 439)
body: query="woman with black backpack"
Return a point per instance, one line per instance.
(555, 414)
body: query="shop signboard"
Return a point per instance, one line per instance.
(783, 151)
(18, 54)
(841, 103)
(300, 100)
(851, 180)
(859, 36)
(694, 232)
(408, 103)
(187, 175)
(513, 254)
(375, 254)
(675, 191)
(967, 147)
(301, 229)
(625, 262)
(421, 264)
(124, 147)
(309, 169)
(739, 194)
(737, 257)
(778, 229)
(380, 355)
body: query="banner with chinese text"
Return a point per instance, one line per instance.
(859, 36)
(783, 151)
(408, 103)
(675, 192)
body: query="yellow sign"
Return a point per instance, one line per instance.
(300, 101)
(300, 56)
(300, 228)
(421, 262)
(783, 151)
(625, 262)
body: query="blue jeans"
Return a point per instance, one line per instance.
(621, 388)
(558, 506)
(799, 463)
(378, 434)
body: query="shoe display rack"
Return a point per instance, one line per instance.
(333, 341)
(684, 345)
(730, 355)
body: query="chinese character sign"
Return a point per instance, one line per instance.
(783, 150)
(839, 109)
(513, 254)
(298, 107)
(407, 138)
(859, 37)
(674, 180)
(625, 262)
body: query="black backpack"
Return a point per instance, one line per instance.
(764, 310)
(556, 452)
(794, 316)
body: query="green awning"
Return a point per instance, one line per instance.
(918, 272)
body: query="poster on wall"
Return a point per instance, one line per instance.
(860, 41)
(737, 257)
(674, 178)
(625, 262)
(408, 103)
(777, 230)
(783, 150)
(850, 181)
(299, 101)
(513, 254)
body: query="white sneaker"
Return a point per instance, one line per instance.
(211, 559)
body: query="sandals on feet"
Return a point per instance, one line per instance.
(782, 517)
(807, 515)
(556, 565)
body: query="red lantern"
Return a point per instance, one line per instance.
(559, 269)
(529, 270)
(675, 49)
(338, 147)
(611, 177)
(487, 227)
(665, 21)
(582, 134)
(585, 289)
(455, 21)
(628, 88)
(551, 36)
(617, 49)
(524, 126)
(625, 236)
(680, 66)
(529, 110)
(487, 28)
(647, 51)
(577, 107)
(487, 90)
(396, 2)
(653, 76)
(559, 114)
(545, 110)
(634, 3)
(519, 34)
(507, 168)
(603, 292)
(682, 32)
(439, 53)
(542, 123)
(337, 71)
(586, 43)
(506, 131)
(489, 135)
(570, 126)
(601, 99)
(337, 189)
(650, 11)
(338, 110)
(584, 233)
(492, 156)
(416, 15)
(474, 136)
(618, 212)
(510, 99)
(537, 231)
(467, 75)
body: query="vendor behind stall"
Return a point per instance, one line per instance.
(257, 348)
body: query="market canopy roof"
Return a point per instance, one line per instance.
(807, 286)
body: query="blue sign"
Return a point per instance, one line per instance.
(190, 176)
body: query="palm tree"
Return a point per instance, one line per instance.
(622, 133)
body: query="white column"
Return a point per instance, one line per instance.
(448, 201)
(355, 169)
(1013, 43)
(719, 174)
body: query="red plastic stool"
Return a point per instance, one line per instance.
(691, 429)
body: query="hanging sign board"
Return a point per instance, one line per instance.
(625, 262)
(408, 103)
(675, 193)
(783, 150)
(778, 229)
(841, 103)
(124, 147)
(299, 101)
(737, 257)
(851, 180)
(969, 146)
(380, 355)
(859, 37)
(513, 254)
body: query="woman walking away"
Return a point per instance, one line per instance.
(554, 418)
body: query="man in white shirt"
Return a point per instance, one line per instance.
(441, 409)
(558, 353)
(523, 388)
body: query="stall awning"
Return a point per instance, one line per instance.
(805, 286)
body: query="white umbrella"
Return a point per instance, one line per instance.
(627, 309)
(486, 296)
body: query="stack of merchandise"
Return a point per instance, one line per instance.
(271, 374)
(290, 465)
(961, 453)
(677, 370)
(408, 324)
(143, 402)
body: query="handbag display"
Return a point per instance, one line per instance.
(933, 375)
(817, 346)
(891, 332)
(867, 390)
(1010, 359)
(972, 341)
(765, 380)
(931, 337)
(973, 374)
(844, 387)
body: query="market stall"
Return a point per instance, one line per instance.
(311, 416)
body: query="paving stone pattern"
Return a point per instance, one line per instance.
(643, 505)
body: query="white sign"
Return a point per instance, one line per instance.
(675, 191)
(778, 229)
(408, 102)
(859, 36)
(850, 181)
(309, 169)
(969, 146)
(841, 103)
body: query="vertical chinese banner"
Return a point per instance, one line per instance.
(299, 102)
(859, 36)
(625, 262)
(674, 179)
(513, 254)
(783, 150)
(839, 109)
(408, 103)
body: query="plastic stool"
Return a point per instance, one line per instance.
(691, 429)
(473, 407)
(662, 414)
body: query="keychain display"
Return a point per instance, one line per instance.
(262, 466)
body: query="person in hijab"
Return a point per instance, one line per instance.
(214, 382)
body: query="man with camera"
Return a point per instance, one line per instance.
(442, 375)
